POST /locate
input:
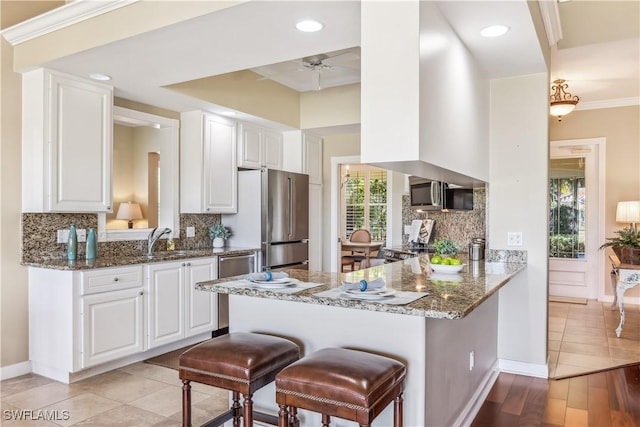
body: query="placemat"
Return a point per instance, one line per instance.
(299, 286)
(399, 298)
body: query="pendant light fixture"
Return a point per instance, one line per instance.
(562, 102)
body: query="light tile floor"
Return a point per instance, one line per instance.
(582, 338)
(140, 394)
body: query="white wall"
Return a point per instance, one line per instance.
(517, 196)
(454, 97)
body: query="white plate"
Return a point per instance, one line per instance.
(444, 268)
(381, 294)
(273, 284)
(282, 280)
(366, 291)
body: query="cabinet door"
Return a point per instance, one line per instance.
(112, 326)
(201, 305)
(315, 227)
(313, 158)
(81, 141)
(220, 171)
(166, 302)
(250, 147)
(272, 150)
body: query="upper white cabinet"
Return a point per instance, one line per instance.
(259, 147)
(67, 140)
(208, 173)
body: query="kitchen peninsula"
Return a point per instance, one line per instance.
(446, 336)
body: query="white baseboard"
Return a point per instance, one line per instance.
(522, 368)
(474, 404)
(12, 371)
(627, 300)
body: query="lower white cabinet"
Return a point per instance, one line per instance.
(112, 326)
(177, 310)
(79, 319)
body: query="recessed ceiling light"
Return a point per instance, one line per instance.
(309, 26)
(494, 31)
(100, 77)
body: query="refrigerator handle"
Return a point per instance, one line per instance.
(290, 201)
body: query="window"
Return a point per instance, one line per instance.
(567, 208)
(364, 200)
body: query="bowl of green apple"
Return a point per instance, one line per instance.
(449, 265)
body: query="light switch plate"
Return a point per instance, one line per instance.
(407, 229)
(82, 235)
(62, 236)
(191, 232)
(514, 238)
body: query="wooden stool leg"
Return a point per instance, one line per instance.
(186, 403)
(293, 417)
(237, 409)
(247, 403)
(283, 416)
(397, 411)
(326, 420)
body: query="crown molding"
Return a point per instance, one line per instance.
(61, 17)
(608, 103)
(551, 19)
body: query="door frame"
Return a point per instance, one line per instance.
(334, 242)
(598, 147)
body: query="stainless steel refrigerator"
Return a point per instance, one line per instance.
(273, 215)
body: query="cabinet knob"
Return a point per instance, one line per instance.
(189, 264)
(109, 207)
(141, 293)
(115, 279)
(184, 264)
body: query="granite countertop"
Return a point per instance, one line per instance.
(450, 296)
(118, 261)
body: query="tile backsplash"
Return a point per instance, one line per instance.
(461, 226)
(39, 235)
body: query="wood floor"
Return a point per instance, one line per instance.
(605, 399)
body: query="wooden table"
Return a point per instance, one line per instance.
(365, 247)
(628, 276)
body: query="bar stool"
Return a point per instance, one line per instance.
(349, 384)
(240, 362)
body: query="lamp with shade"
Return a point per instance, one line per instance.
(129, 211)
(628, 212)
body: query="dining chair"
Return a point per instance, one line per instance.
(360, 235)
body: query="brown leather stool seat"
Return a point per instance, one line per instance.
(240, 362)
(349, 384)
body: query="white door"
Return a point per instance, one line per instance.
(272, 150)
(574, 218)
(249, 147)
(202, 305)
(112, 326)
(165, 297)
(220, 172)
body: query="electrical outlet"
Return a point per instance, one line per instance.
(472, 359)
(191, 232)
(407, 229)
(62, 236)
(81, 234)
(514, 238)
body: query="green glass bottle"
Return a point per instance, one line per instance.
(72, 243)
(92, 249)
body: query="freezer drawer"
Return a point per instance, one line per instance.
(285, 254)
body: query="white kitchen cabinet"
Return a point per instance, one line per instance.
(259, 147)
(67, 131)
(315, 227)
(208, 172)
(175, 309)
(112, 326)
(79, 319)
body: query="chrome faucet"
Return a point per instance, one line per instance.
(153, 238)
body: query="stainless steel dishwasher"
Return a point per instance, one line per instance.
(229, 266)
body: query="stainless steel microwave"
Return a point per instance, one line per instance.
(426, 194)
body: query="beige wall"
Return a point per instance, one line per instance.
(621, 128)
(330, 107)
(14, 326)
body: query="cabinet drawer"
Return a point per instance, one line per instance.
(110, 279)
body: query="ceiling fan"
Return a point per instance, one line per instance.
(323, 62)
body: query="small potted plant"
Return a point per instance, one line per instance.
(626, 246)
(219, 233)
(446, 247)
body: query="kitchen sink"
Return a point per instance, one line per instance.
(166, 254)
